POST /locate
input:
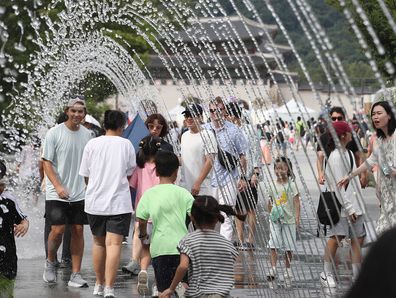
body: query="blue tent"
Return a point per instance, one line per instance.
(136, 131)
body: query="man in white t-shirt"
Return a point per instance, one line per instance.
(198, 150)
(65, 189)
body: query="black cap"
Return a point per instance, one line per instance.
(233, 109)
(194, 110)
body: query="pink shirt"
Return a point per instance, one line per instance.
(143, 179)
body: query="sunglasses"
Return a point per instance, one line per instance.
(339, 118)
(187, 115)
(216, 110)
(157, 127)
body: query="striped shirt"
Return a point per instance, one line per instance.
(212, 258)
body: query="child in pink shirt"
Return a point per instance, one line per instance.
(142, 179)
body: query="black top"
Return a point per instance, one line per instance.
(324, 140)
(166, 146)
(8, 217)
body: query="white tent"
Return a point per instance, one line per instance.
(292, 109)
(175, 114)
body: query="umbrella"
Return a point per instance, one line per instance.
(136, 131)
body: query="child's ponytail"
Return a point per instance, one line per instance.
(206, 210)
(229, 210)
(148, 148)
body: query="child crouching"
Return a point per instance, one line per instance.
(206, 255)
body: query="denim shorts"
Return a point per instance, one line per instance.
(351, 230)
(282, 236)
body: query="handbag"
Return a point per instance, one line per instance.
(277, 213)
(227, 160)
(329, 208)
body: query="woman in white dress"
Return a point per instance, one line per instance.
(384, 155)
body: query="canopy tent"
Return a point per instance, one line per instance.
(292, 109)
(136, 131)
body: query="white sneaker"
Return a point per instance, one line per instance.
(109, 292)
(180, 290)
(154, 291)
(327, 280)
(98, 290)
(287, 278)
(142, 285)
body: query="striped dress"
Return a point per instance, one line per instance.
(212, 258)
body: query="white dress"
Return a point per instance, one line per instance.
(385, 153)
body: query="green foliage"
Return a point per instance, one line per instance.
(17, 62)
(334, 24)
(381, 27)
(96, 109)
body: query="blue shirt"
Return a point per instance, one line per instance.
(231, 139)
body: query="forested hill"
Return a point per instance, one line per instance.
(335, 26)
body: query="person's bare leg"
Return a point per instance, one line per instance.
(136, 243)
(356, 245)
(252, 225)
(274, 257)
(54, 241)
(113, 252)
(288, 255)
(145, 257)
(77, 247)
(99, 258)
(240, 229)
(331, 248)
(356, 252)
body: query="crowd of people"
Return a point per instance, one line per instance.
(177, 200)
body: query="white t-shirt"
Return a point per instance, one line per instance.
(194, 147)
(64, 148)
(338, 166)
(107, 161)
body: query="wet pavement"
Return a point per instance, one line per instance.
(250, 268)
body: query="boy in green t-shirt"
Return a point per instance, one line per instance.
(167, 205)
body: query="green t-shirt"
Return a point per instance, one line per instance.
(283, 196)
(167, 205)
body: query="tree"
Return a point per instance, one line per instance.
(382, 28)
(17, 37)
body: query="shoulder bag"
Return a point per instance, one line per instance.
(329, 208)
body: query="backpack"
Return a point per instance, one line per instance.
(301, 128)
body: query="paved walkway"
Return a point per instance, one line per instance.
(250, 269)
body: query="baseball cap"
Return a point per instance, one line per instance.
(194, 110)
(341, 127)
(76, 99)
(233, 109)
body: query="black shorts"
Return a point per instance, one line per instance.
(165, 269)
(247, 200)
(117, 224)
(61, 213)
